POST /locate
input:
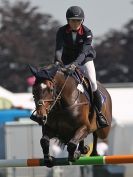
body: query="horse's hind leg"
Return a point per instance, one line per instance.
(94, 150)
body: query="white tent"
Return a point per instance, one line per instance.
(23, 100)
(120, 137)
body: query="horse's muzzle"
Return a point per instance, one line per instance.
(43, 119)
(41, 109)
(41, 112)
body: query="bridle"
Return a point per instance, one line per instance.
(55, 98)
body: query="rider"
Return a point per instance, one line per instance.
(73, 46)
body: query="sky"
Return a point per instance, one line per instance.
(100, 15)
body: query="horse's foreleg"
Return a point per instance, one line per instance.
(83, 148)
(94, 150)
(80, 134)
(45, 143)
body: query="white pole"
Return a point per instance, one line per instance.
(13, 163)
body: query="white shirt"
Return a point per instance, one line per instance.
(74, 35)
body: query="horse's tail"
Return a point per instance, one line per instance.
(60, 143)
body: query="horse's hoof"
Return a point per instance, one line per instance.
(49, 161)
(71, 159)
(94, 154)
(77, 155)
(74, 157)
(85, 149)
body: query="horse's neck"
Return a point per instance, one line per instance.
(65, 83)
(61, 79)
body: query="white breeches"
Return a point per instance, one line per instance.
(89, 70)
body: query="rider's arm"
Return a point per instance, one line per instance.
(87, 50)
(59, 45)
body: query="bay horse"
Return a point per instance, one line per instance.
(64, 111)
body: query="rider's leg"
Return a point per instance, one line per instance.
(90, 73)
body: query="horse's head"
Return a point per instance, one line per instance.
(51, 86)
(43, 90)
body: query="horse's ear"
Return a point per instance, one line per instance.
(33, 70)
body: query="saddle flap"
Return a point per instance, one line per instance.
(83, 84)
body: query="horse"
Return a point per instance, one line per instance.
(65, 112)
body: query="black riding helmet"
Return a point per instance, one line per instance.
(75, 12)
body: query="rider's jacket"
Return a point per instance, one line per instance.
(69, 50)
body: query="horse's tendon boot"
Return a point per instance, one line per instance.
(71, 149)
(49, 161)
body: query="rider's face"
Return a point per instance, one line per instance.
(75, 23)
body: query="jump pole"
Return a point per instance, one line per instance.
(86, 160)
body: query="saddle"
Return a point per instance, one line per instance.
(83, 84)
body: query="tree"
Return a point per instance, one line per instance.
(114, 56)
(26, 37)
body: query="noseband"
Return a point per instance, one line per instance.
(42, 102)
(45, 102)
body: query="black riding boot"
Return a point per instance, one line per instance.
(97, 100)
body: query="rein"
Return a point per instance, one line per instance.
(58, 96)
